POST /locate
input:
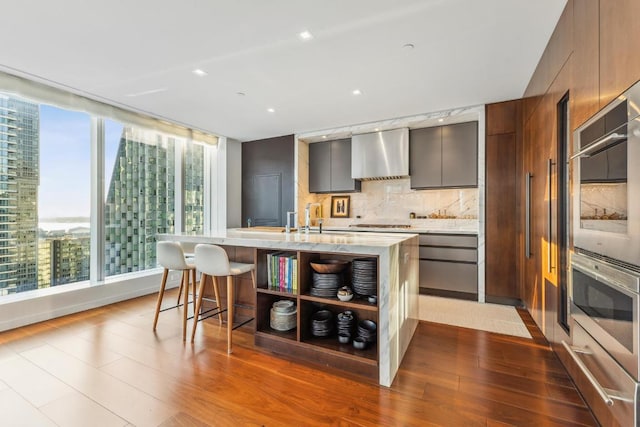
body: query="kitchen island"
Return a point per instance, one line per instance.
(395, 313)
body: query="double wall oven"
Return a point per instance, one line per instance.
(605, 263)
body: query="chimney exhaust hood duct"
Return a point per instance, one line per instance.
(380, 155)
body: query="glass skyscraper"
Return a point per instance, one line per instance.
(140, 200)
(19, 178)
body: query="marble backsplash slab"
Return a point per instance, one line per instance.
(393, 201)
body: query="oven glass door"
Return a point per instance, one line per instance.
(603, 178)
(611, 308)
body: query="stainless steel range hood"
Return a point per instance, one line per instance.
(380, 155)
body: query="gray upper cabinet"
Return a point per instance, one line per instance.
(444, 156)
(330, 167)
(425, 157)
(319, 167)
(460, 155)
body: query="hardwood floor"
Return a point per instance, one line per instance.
(105, 367)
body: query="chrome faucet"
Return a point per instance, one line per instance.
(295, 220)
(307, 216)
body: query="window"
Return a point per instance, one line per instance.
(44, 204)
(140, 178)
(194, 154)
(154, 182)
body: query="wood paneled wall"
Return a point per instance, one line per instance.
(592, 55)
(503, 170)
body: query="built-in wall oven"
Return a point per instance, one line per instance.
(605, 262)
(605, 303)
(606, 180)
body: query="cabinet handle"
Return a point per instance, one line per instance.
(587, 373)
(527, 210)
(550, 165)
(589, 149)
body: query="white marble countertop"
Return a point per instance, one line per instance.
(328, 241)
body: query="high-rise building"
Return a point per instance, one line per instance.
(63, 257)
(140, 200)
(19, 178)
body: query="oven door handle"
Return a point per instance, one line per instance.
(586, 151)
(594, 382)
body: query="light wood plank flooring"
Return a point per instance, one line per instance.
(105, 367)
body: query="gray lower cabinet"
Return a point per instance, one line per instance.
(330, 167)
(444, 156)
(449, 264)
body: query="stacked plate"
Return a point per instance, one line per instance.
(326, 285)
(283, 315)
(346, 322)
(322, 323)
(367, 329)
(365, 276)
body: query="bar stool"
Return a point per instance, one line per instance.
(213, 261)
(171, 257)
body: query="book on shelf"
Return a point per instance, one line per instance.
(282, 272)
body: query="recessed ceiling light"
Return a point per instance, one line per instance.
(271, 110)
(376, 130)
(441, 120)
(324, 136)
(356, 92)
(240, 93)
(200, 73)
(408, 46)
(305, 35)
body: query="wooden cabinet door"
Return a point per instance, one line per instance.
(425, 157)
(319, 167)
(460, 155)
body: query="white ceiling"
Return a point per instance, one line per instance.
(140, 54)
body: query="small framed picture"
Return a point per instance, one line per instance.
(340, 206)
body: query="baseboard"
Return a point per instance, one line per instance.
(516, 302)
(449, 294)
(76, 298)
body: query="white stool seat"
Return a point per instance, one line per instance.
(213, 261)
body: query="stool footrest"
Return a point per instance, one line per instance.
(236, 326)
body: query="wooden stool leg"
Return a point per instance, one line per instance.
(229, 313)
(185, 280)
(193, 281)
(180, 291)
(160, 295)
(203, 278)
(216, 292)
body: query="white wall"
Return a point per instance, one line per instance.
(234, 184)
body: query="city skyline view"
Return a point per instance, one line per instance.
(45, 194)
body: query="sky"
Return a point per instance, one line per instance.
(65, 154)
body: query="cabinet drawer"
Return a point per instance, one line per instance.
(455, 240)
(449, 276)
(449, 254)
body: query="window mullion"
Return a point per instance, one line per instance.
(97, 200)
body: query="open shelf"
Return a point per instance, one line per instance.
(272, 333)
(370, 354)
(275, 292)
(355, 303)
(299, 342)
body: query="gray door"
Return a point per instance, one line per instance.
(425, 157)
(266, 200)
(320, 167)
(460, 155)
